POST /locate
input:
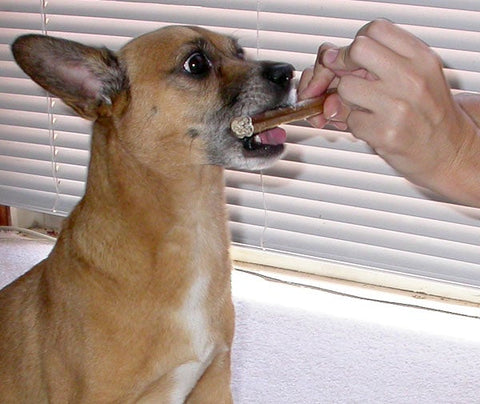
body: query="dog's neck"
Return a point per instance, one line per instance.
(117, 177)
(147, 212)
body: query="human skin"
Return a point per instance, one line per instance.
(393, 94)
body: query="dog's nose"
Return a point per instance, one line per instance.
(278, 73)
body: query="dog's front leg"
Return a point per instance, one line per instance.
(214, 385)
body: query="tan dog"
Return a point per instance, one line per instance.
(134, 302)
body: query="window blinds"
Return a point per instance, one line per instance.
(330, 198)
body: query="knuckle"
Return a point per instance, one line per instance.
(385, 141)
(432, 60)
(402, 109)
(324, 47)
(393, 137)
(418, 85)
(344, 87)
(376, 28)
(358, 48)
(393, 143)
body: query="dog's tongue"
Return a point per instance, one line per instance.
(273, 136)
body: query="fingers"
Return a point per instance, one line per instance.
(316, 80)
(365, 72)
(393, 37)
(335, 113)
(379, 47)
(305, 79)
(364, 57)
(314, 84)
(358, 93)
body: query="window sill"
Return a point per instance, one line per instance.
(359, 282)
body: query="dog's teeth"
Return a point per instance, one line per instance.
(257, 139)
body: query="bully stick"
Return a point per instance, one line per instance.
(245, 126)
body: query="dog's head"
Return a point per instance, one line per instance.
(175, 90)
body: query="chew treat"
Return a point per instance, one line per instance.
(246, 126)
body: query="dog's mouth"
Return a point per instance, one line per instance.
(267, 140)
(255, 141)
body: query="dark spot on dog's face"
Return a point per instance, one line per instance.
(153, 112)
(193, 133)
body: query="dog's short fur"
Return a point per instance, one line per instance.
(134, 302)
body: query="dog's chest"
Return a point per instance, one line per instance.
(193, 318)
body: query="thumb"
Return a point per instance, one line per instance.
(341, 63)
(338, 60)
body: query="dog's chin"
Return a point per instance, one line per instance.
(259, 159)
(245, 154)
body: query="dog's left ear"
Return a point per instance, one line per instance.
(86, 78)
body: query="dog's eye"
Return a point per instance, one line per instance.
(197, 64)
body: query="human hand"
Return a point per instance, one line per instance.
(392, 93)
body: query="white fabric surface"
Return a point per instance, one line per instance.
(298, 345)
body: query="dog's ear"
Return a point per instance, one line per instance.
(86, 78)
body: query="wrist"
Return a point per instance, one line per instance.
(458, 175)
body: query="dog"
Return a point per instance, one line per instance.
(133, 304)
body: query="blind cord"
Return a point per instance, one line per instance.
(262, 184)
(51, 119)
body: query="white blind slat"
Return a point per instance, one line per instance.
(41, 168)
(63, 155)
(38, 200)
(428, 227)
(76, 141)
(341, 250)
(40, 183)
(356, 197)
(360, 233)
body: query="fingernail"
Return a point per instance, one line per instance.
(331, 116)
(330, 55)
